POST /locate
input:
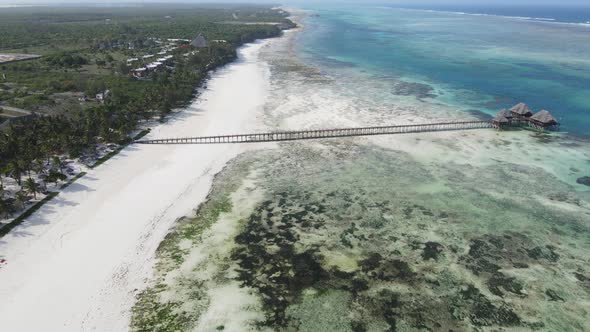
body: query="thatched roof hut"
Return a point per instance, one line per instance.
(521, 110)
(505, 113)
(199, 42)
(543, 118)
(500, 121)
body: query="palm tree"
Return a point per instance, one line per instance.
(3, 170)
(6, 208)
(39, 167)
(55, 176)
(32, 187)
(15, 169)
(57, 162)
(20, 199)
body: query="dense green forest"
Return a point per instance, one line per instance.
(84, 53)
(60, 26)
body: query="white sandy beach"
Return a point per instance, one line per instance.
(78, 262)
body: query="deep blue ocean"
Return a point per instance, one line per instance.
(456, 57)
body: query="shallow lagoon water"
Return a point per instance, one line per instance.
(463, 231)
(471, 62)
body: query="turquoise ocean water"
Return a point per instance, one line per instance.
(467, 61)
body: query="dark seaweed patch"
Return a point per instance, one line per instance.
(371, 263)
(279, 275)
(431, 250)
(583, 279)
(358, 326)
(376, 267)
(484, 313)
(392, 270)
(585, 180)
(270, 263)
(553, 296)
(419, 90)
(499, 283)
(547, 252)
(490, 253)
(386, 304)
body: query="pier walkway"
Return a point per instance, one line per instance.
(322, 133)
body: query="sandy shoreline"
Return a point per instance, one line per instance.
(78, 262)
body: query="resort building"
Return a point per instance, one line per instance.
(153, 65)
(103, 96)
(166, 60)
(139, 72)
(520, 114)
(10, 115)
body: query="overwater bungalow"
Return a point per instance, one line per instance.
(520, 111)
(521, 115)
(502, 119)
(505, 113)
(543, 120)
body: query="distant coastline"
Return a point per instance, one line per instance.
(17, 6)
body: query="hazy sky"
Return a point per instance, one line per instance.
(438, 2)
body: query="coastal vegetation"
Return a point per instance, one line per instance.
(85, 53)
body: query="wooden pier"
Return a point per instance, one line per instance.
(322, 133)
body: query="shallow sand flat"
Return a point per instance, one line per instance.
(77, 263)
